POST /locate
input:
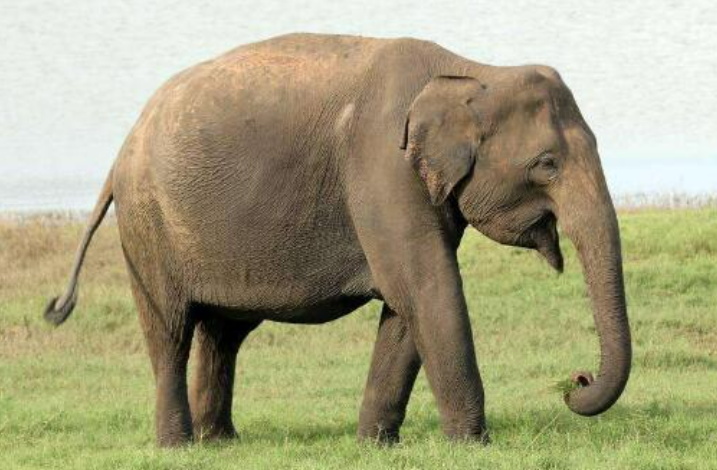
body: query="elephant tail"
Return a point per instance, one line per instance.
(59, 308)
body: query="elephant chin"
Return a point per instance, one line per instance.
(554, 257)
(543, 237)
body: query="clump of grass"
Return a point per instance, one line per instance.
(564, 387)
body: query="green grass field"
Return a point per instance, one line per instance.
(82, 395)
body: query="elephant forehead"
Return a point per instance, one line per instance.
(578, 139)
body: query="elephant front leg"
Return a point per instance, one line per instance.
(218, 342)
(393, 371)
(445, 344)
(430, 292)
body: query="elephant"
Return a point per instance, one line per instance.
(297, 178)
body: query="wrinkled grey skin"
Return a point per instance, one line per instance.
(295, 179)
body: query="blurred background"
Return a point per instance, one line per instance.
(75, 76)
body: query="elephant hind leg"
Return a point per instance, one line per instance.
(168, 328)
(394, 366)
(216, 347)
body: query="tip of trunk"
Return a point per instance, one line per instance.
(595, 396)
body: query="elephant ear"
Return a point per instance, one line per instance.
(441, 133)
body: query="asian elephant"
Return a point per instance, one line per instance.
(297, 178)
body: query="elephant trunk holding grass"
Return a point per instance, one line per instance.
(295, 179)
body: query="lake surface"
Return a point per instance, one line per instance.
(75, 76)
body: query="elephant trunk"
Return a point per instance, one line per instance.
(591, 224)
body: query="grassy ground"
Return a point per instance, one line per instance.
(82, 396)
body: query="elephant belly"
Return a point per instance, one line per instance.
(318, 313)
(269, 281)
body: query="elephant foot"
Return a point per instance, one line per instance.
(174, 423)
(481, 437)
(174, 440)
(214, 432)
(379, 436)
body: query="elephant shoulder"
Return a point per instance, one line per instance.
(410, 53)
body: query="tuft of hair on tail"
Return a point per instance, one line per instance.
(58, 310)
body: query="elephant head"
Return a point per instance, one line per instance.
(511, 148)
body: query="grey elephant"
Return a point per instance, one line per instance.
(297, 178)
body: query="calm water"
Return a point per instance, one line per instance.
(75, 75)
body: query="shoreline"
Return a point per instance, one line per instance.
(639, 202)
(84, 202)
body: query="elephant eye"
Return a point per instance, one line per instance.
(547, 160)
(544, 169)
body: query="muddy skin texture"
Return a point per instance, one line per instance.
(295, 179)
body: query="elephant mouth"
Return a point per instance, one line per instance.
(542, 236)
